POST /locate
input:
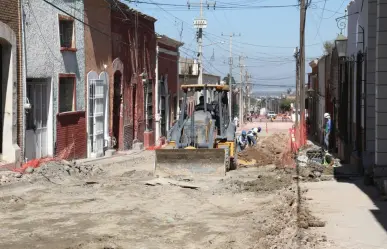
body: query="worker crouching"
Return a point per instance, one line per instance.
(248, 138)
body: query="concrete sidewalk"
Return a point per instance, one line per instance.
(355, 218)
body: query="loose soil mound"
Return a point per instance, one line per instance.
(53, 172)
(265, 183)
(269, 150)
(291, 230)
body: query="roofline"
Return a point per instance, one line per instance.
(168, 40)
(314, 63)
(126, 8)
(212, 75)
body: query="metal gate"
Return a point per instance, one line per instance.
(36, 119)
(96, 110)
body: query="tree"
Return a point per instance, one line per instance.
(226, 80)
(286, 105)
(328, 47)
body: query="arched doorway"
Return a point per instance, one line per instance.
(9, 150)
(117, 100)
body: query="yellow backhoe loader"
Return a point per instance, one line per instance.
(202, 141)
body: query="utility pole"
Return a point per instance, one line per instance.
(230, 63)
(302, 67)
(241, 102)
(296, 106)
(247, 89)
(201, 23)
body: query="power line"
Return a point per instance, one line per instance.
(223, 6)
(319, 25)
(79, 20)
(335, 12)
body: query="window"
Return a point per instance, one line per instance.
(66, 32)
(66, 93)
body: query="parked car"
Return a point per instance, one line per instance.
(271, 114)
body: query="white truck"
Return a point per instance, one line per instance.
(271, 114)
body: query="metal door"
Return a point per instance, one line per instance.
(96, 116)
(36, 119)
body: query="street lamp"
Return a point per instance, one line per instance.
(341, 45)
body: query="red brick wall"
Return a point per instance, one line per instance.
(71, 139)
(133, 112)
(9, 14)
(168, 65)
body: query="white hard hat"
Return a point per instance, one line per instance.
(255, 130)
(326, 115)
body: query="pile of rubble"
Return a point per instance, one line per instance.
(313, 164)
(53, 171)
(269, 150)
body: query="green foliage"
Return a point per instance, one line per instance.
(328, 47)
(285, 105)
(226, 79)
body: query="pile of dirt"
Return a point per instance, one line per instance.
(291, 230)
(263, 183)
(7, 177)
(52, 171)
(62, 170)
(269, 150)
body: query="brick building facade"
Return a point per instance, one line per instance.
(98, 68)
(134, 48)
(55, 79)
(168, 84)
(11, 78)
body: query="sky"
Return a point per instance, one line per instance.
(265, 36)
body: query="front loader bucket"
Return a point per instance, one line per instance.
(190, 162)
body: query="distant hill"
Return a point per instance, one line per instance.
(269, 92)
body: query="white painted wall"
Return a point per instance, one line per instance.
(44, 58)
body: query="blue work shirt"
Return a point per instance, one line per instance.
(328, 126)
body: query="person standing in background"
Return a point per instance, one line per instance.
(327, 130)
(236, 119)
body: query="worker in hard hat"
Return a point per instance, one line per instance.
(242, 141)
(327, 130)
(252, 136)
(256, 131)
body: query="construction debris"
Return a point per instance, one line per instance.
(236, 211)
(268, 150)
(165, 181)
